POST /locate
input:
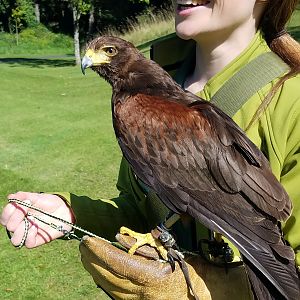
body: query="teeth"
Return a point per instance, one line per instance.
(185, 2)
(192, 2)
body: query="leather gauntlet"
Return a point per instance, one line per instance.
(125, 276)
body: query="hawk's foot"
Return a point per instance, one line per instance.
(145, 239)
(166, 238)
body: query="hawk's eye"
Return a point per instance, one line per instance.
(110, 50)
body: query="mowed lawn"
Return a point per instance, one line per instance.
(55, 135)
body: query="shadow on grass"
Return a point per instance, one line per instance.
(39, 62)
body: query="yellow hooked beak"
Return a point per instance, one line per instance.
(92, 58)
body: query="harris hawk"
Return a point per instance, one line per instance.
(198, 162)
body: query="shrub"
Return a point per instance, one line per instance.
(36, 40)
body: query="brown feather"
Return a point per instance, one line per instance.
(199, 162)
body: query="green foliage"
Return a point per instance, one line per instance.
(35, 40)
(17, 15)
(58, 14)
(23, 13)
(83, 6)
(4, 5)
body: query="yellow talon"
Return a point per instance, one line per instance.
(143, 239)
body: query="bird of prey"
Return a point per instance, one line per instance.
(199, 162)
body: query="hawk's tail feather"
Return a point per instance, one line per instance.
(268, 275)
(260, 286)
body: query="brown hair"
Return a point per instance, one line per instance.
(277, 14)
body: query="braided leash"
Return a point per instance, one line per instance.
(26, 229)
(67, 234)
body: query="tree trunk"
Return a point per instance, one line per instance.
(37, 12)
(91, 21)
(17, 33)
(76, 17)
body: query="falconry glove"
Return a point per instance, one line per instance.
(125, 276)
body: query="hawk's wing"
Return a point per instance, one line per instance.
(197, 149)
(199, 162)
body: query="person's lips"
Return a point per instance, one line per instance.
(188, 4)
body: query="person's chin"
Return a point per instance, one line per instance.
(184, 31)
(183, 36)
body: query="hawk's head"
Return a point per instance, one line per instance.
(126, 69)
(110, 57)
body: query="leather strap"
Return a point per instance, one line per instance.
(247, 81)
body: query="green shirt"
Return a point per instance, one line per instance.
(276, 133)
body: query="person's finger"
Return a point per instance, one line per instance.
(46, 236)
(10, 208)
(7, 212)
(20, 195)
(31, 240)
(47, 202)
(19, 234)
(14, 213)
(32, 198)
(17, 217)
(38, 234)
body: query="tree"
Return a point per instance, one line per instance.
(91, 20)
(17, 15)
(23, 13)
(79, 7)
(27, 8)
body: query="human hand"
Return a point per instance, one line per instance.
(125, 276)
(13, 216)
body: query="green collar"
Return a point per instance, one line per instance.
(257, 46)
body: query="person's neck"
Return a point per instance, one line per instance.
(214, 54)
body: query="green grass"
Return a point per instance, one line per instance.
(148, 27)
(56, 134)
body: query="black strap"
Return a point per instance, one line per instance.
(185, 270)
(247, 81)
